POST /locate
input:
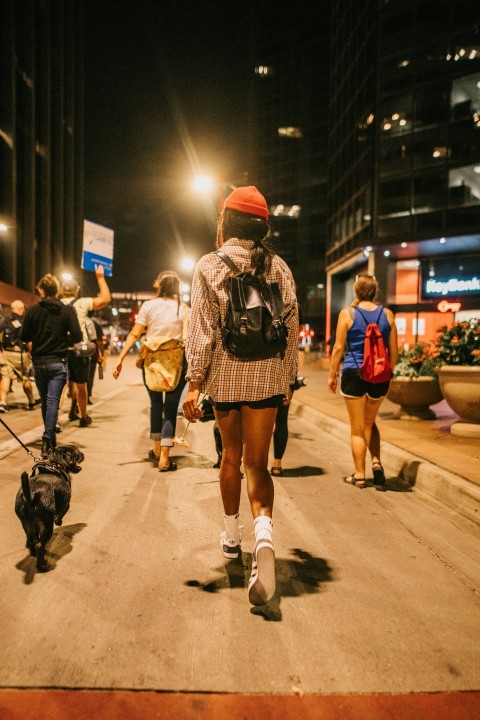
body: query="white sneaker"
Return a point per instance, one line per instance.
(3, 408)
(231, 549)
(261, 587)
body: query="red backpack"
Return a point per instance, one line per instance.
(376, 365)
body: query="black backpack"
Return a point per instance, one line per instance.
(253, 326)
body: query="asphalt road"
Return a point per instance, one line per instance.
(377, 592)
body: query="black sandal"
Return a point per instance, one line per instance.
(170, 467)
(378, 474)
(357, 482)
(154, 458)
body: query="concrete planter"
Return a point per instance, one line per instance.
(414, 395)
(460, 385)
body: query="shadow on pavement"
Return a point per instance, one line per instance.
(60, 545)
(302, 576)
(302, 471)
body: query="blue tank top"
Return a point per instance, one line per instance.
(356, 335)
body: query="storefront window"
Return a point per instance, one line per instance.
(413, 327)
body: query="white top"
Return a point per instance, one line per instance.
(83, 306)
(162, 317)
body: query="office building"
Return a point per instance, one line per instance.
(41, 142)
(289, 125)
(404, 159)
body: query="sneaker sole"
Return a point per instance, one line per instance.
(262, 582)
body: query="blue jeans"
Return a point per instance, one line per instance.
(50, 379)
(163, 413)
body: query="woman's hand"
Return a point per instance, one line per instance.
(332, 383)
(117, 369)
(288, 398)
(191, 410)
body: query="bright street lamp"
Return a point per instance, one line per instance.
(203, 184)
(188, 264)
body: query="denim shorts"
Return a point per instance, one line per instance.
(275, 401)
(352, 385)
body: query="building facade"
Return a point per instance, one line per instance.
(289, 126)
(41, 141)
(404, 159)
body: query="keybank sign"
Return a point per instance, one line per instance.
(452, 286)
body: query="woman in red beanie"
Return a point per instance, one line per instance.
(245, 393)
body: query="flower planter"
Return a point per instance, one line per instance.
(460, 385)
(414, 395)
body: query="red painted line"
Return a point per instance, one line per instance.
(146, 705)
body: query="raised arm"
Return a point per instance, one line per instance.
(104, 296)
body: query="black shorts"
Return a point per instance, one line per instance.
(275, 401)
(352, 385)
(77, 368)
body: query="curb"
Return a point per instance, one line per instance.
(450, 489)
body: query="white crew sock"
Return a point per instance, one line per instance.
(232, 527)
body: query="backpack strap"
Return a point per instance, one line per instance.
(380, 310)
(228, 261)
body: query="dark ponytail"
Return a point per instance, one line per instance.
(235, 224)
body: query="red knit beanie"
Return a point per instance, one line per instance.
(248, 200)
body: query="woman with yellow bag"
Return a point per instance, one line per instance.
(163, 321)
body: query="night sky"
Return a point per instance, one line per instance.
(165, 94)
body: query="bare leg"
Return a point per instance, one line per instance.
(4, 388)
(356, 412)
(364, 432)
(229, 425)
(257, 430)
(374, 446)
(81, 397)
(28, 390)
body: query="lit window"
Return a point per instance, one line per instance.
(292, 132)
(292, 211)
(263, 70)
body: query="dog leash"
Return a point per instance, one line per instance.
(37, 459)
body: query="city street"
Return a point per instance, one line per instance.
(378, 592)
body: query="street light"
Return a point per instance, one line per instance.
(204, 185)
(188, 264)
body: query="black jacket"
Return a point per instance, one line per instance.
(10, 332)
(51, 327)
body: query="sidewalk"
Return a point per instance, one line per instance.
(421, 452)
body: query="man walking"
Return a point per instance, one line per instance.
(15, 360)
(78, 366)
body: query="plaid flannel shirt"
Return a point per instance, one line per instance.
(225, 377)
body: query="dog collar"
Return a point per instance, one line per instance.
(51, 468)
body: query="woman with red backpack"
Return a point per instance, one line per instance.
(366, 337)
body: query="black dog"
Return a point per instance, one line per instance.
(44, 498)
